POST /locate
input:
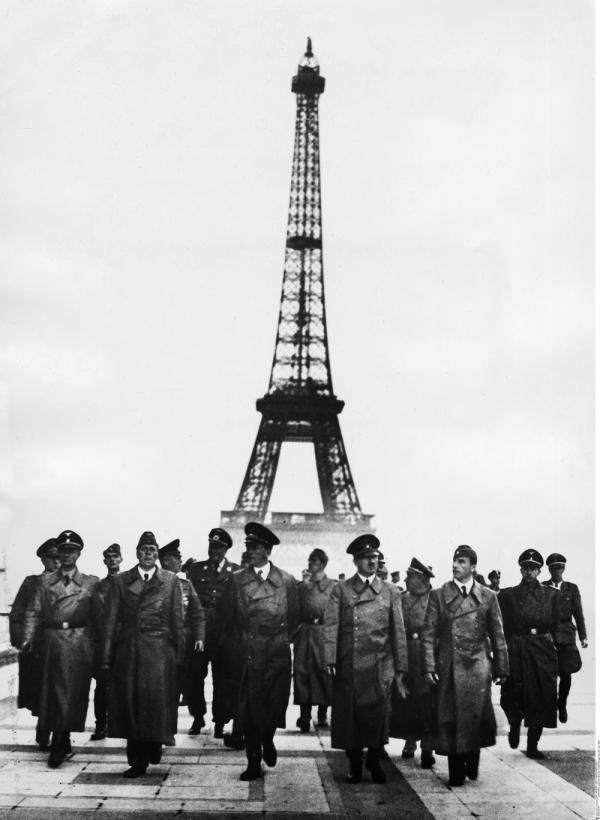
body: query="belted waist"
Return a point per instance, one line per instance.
(313, 621)
(412, 636)
(64, 624)
(531, 630)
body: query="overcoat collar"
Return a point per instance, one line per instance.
(321, 584)
(132, 575)
(453, 598)
(534, 589)
(358, 584)
(76, 578)
(275, 578)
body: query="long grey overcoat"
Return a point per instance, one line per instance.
(29, 688)
(65, 656)
(363, 635)
(463, 641)
(266, 616)
(312, 685)
(143, 636)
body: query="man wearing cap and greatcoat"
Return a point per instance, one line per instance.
(462, 623)
(570, 608)
(112, 559)
(143, 636)
(63, 619)
(29, 677)
(264, 602)
(364, 647)
(531, 618)
(312, 686)
(211, 580)
(413, 716)
(193, 618)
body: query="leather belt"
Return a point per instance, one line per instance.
(64, 624)
(532, 630)
(313, 621)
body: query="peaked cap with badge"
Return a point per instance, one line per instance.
(45, 548)
(147, 539)
(364, 546)
(420, 568)
(70, 540)
(555, 559)
(113, 549)
(220, 536)
(465, 551)
(172, 548)
(258, 533)
(531, 557)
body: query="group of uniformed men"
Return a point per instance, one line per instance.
(416, 665)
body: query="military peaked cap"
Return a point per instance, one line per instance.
(531, 557)
(114, 549)
(464, 551)
(68, 538)
(495, 573)
(318, 555)
(172, 548)
(420, 568)
(555, 558)
(219, 536)
(147, 539)
(364, 545)
(258, 532)
(46, 547)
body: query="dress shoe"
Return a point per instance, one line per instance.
(514, 735)
(56, 758)
(155, 754)
(269, 752)
(135, 771)
(535, 754)
(562, 712)
(196, 726)
(99, 734)
(407, 755)
(354, 775)
(254, 770)
(472, 768)
(377, 773)
(322, 717)
(218, 733)
(303, 724)
(427, 760)
(455, 782)
(233, 741)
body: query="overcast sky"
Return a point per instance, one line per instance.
(145, 157)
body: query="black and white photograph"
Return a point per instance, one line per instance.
(297, 409)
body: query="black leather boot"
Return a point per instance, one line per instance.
(534, 733)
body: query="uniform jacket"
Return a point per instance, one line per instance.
(193, 616)
(569, 606)
(143, 638)
(463, 641)
(266, 616)
(364, 637)
(211, 586)
(28, 693)
(311, 683)
(530, 692)
(66, 655)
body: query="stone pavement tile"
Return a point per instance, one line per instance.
(225, 791)
(532, 809)
(583, 808)
(207, 776)
(128, 806)
(110, 789)
(212, 808)
(293, 787)
(67, 803)
(117, 767)
(8, 800)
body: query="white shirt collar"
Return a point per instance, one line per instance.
(148, 572)
(468, 584)
(264, 571)
(369, 578)
(555, 585)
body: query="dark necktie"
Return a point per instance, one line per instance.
(366, 586)
(146, 576)
(259, 575)
(463, 590)
(66, 580)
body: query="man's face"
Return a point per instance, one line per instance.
(147, 556)
(367, 564)
(112, 562)
(415, 583)
(172, 561)
(556, 572)
(462, 569)
(216, 551)
(51, 561)
(68, 557)
(258, 554)
(315, 566)
(530, 572)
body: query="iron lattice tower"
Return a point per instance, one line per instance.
(300, 404)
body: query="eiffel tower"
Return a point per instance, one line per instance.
(300, 404)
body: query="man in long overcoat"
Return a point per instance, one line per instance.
(531, 618)
(211, 580)
(570, 609)
(312, 685)
(144, 631)
(29, 676)
(462, 623)
(64, 621)
(413, 716)
(193, 619)
(264, 601)
(112, 559)
(364, 649)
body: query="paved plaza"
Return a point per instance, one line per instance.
(199, 778)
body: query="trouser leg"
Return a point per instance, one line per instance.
(101, 701)
(198, 671)
(564, 687)
(456, 769)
